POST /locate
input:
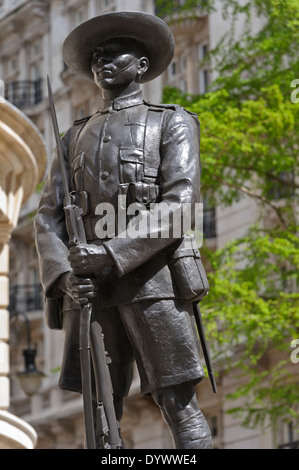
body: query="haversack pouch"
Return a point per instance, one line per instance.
(187, 270)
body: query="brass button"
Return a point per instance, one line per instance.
(104, 175)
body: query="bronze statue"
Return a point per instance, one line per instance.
(134, 155)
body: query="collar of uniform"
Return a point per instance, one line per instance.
(127, 101)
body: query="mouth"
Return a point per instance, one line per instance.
(104, 71)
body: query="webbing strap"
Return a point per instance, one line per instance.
(152, 139)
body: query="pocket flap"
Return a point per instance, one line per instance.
(131, 155)
(145, 193)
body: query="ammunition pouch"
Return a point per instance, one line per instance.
(187, 271)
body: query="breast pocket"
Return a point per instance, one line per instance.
(131, 165)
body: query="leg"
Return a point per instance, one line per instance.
(165, 344)
(187, 424)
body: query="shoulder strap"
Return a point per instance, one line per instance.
(152, 138)
(82, 120)
(76, 131)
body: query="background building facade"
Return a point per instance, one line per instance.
(23, 161)
(31, 37)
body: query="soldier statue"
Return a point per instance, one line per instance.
(130, 152)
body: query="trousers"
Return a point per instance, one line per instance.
(159, 335)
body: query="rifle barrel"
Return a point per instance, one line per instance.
(58, 143)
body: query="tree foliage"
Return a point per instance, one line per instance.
(249, 147)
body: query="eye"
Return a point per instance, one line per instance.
(96, 58)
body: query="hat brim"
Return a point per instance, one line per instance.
(148, 29)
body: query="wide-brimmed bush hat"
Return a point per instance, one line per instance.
(148, 29)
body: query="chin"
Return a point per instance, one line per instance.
(107, 83)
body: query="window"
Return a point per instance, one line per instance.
(203, 73)
(35, 59)
(289, 436)
(209, 219)
(203, 78)
(183, 86)
(177, 76)
(11, 67)
(79, 15)
(33, 274)
(14, 265)
(172, 70)
(214, 426)
(104, 4)
(183, 63)
(202, 50)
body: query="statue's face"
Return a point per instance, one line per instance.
(116, 64)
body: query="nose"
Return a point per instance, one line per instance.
(105, 59)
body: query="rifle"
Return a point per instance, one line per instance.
(91, 343)
(205, 350)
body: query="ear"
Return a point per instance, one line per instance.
(143, 66)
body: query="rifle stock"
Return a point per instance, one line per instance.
(104, 391)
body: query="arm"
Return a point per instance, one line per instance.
(52, 239)
(50, 229)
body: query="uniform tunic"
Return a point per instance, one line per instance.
(137, 303)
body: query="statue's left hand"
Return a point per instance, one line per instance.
(88, 259)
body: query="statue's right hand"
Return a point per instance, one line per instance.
(80, 289)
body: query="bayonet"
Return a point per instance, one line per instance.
(204, 345)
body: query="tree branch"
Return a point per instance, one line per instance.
(245, 190)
